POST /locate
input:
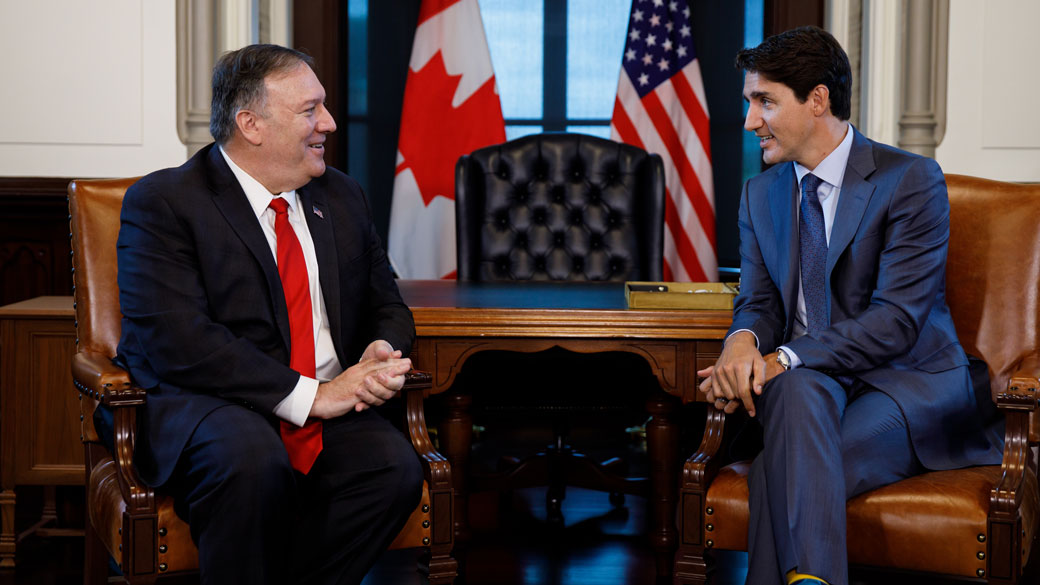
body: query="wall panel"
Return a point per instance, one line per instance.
(89, 88)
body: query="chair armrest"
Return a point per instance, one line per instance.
(1026, 376)
(701, 467)
(436, 471)
(97, 377)
(435, 466)
(1023, 384)
(1019, 405)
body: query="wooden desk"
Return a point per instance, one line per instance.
(39, 412)
(453, 321)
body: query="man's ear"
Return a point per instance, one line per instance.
(248, 123)
(820, 97)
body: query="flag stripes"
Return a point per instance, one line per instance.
(661, 107)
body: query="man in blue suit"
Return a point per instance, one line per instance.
(842, 346)
(239, 353)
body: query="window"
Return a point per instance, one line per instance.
(556, 62)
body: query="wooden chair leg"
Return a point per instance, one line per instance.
(439, 567)
(95, 556)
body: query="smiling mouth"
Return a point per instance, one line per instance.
(764, 140)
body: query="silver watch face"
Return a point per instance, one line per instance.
(781, 358)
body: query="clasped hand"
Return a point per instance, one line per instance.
(740, 371)
(372, 381)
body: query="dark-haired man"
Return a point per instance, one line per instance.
(843, 253)
(261, 315)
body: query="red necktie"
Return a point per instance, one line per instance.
(302, 443)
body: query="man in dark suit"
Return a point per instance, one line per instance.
(259, 308)
(843, 253)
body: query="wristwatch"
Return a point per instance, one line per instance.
(783, 360)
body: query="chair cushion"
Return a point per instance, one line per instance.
(930, 522)
(416, 531)
(727, 525)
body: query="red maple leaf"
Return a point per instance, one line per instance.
(434, 134)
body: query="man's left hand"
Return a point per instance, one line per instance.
(773, 369)
(380, 350)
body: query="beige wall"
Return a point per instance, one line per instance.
(992, 128)
(89, 88)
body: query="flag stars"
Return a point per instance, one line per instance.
(686, 12)
(685, 30)
(667, 44)
(681, 51)
(651, 40)
(630, 55)
(637, 16)
(647, 59)
(673, 6)
(634, 35)
(644, 79)
(655, 20)
(669, 25)
(658, 3)
(663, 64)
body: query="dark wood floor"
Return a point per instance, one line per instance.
(513, 545)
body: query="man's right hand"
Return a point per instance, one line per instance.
(739, 371)
(370, 382)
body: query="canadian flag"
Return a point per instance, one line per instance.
(451, 108)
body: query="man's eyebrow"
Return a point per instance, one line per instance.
(759, 94)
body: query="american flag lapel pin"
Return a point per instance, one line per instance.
(317, 211)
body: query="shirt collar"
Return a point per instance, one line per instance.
(832, 168)
(258, 195)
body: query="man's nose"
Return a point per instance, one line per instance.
(752, 120)
(326, 124)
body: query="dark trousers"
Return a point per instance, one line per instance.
(257, 521)
(823, 444)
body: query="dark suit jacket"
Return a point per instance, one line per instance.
(204, 317)
(886, 266)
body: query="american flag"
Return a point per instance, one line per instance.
(661, 107)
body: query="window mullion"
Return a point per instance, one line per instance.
(554, 71)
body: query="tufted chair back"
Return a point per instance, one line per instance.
(559, 206)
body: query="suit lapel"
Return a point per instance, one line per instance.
(319, 221)
(783, 201)
(852, 202)
(234, 205)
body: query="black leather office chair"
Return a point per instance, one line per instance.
(559, 207)
(563, 207)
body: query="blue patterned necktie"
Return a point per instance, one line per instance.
(812, 243)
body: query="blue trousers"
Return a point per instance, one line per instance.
(823, 444)
(257, 521)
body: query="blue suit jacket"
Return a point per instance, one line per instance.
(205, 323)
(885, 281)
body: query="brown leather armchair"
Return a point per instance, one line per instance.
(979, 522)
(130, 522)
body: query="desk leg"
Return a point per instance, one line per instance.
(662, 443)
(456, 434)
(7, 536)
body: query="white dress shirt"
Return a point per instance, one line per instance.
(297, 405)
